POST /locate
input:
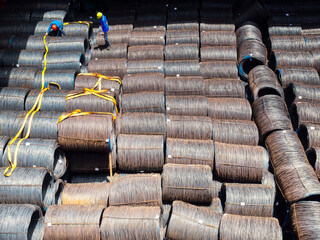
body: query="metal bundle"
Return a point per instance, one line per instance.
(313, 157)
(65, 79)
(145, 52)
(292, 59)
(248, 31)
(31, 58)
(141, 123)
(229, 108)
(125, 223)
(184, 85)
(7, 120)
(182, 25)
(192, 222)
(10, 28)
(3, 143)
(304, 112)
(53, 195)
(13, 98)
(109, 67)
(240, 132)
(214, 25)
(52, 100)
(288, 43)
(150, 26)
(24, 221)
(47, 15)
(68, 221)
(115, 37)
(20, 42)
(67, 44)
(181, 51)
(9, 58)
(218, 53)
(316, 59)
(64, 61)
(93, 132)
(143, 82)
(147, 38)
(137, 153)
(89, 177)
(120, 26)
(182, 67)
(219, 69)
(224, 87)
(249, 227)
(218, 38)
(303, 75)
(312, 42)
(296, 92)
(240, 163)
(44, 153)
(22, 15)
(143, 66)
(60, 4)
(270, 113)
(183, 36)
(86, 194)
(263, 81)
(285, 30)
(190, 151)
(187, 105)
(136, 190)
(117, 51)
(25, 185)
(309, 134)
(17, 77)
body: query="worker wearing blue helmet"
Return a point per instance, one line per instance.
(105, 28)
(55, 28)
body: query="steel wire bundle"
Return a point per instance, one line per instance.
(182, 37)
(248, 31)
(181, 52)
(17, 77)
(13, 98)
(31, 58)
(143, 66)
(117, 51)
(64, 61)
(184, 85)
(47, 15)
(145, 52)
(313, 157)
(9, 58)
(109, 67)
(187, 105)
(67, 44)
(178, 24)
(292, 59)
(312, 42)
(182, 67)
(224, 88)
(303, 75)
(316, 59)
(217, 25)
(218, 38)
(53, 195)
(304, 112)
(218, 53)
(115, 37)
(65, 79)
(288, 43)
(143, 82)
(147, 38)
(219, 69)
(284, 30)
(7, 121)
(3, 143)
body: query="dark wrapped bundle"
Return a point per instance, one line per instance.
(292, 59)
(184, 85)
(302, 75)
(296, 92)
(145, 52)
(217, 25)
(304, 112)
(17, 77)
(219, 69)
(288, 43)
(187, 105)
(64, 61)
(314, 159)
(117, 51)
(65, 79)
(283, 30)
(312, 42)
(309, 134)
(47, 15)
(182, 67)
(143, 66)
(13, 98)
(224, 88)
(54, 193)
(182, 25)
(316, 59)
(143, 82)
(248, 31)
(115, 37)
(218, 38)
(147, 38)
(218, 53)
(183, 36)
(181, 51)
(111, 67)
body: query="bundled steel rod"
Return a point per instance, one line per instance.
(136, 190)
(288, 43)
(109, 67)
(137, 153)
(3, 143)
(218, 53)
(312, 42)
(248, 31)
(304, 112)
(189, 222)
(147, 38)
(292, 59)
(117, 51)
(64, 61)
(115, 37)
(182, 25)
(68, 221)
(187, 105)
(17, 77)
(145, 52)
(7, 121)
(219, 69)
(143, 82)
(143, 66)
(149, 26)
(9, 58)
(316, 59)
(224, 88)
(180, 37)
(181, 51)
(214, 25)
(13, 98)
(67, 44)
(47, 15)
(53, 195)
(65, 79)
(184, 85)
(182, 67)
(218, 38)
(285, 31)
(309, 134)
(88, 177)
(303, 75)
(28, 216)
(313, 157)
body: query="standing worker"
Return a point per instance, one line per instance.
(105, 28)
(55, 28)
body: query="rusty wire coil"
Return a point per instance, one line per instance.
(145, 52)
(189, 127)
(177, 24)
(137, 153)
(181, 51)
(143, 82)
(66, 44)
(147, 38)
(217, 25)
(268, 180)
(44, 153)
(316, 59)
(28, 216)
(263, 81)
(120, 26)
(296, 92)
(190, 151)
(86, 194)
(109, 67)
(92, 132)
(270, 114)
(13, 98)
(312, 42)
(219, 69)
(25, 186)
(17, 77)
(313, 157)
(189, 222)
(166, 214)
(136, 190)
(115, 37)
(64, 61)
(284, 30)
(249, 227)
(309, 134)
(218, 38)
(249, 199)
(224, 87)
(303, 75)
(65, 79)
(150, 26)
(229, 108)
(182, 67)
(125, 222)
(189, 183)
(53, 195)
(240, 163)
(218, 53)
(67, 221)
(251, 54)
(248, 31)
(3, 143)
(181, 37)
(304, 112)
(187, 105)
(305, 216)
(143, 66)
(292, 59)
(52, 100)
(288, 43)
(184, 85)
(117, 51)
(240, 132)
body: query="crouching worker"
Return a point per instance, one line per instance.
(55, 28)
(105, 28)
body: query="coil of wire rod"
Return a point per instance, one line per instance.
(125, 222)
(28, 216)
(268, 180)
(181, 51)
(288, 43)
(25, 185)
(19, 42)
(17, 77)
(166, 212)
(67, 43)
(46, 15)
(88, 177)
(249, 227)
(10, 28)
(136, 153)
(143, 82)
(117, 51)
(217, 25)
(313, 157)
(270, 113)
(149, 26)
(248, 31)
(309, 134)
(284, 30)
(182, 67)
(143, 66)
(7, 120)
(53, 195)
(218, 53)
(240, 163)
(219, 69)
(220, 87)
(189, 221)
(292, 59)
(312, 42)
(109, 67)
(181, 37)
(13, 98)
(30, 58)
(3, 143)
(229, 108)
(136, 190)
(218, 38)
(61, 5)
(67, 221)
(65, 79)
(187, 105)
(19, 14)
(147, 38)
(120, 26)
(190, 151)
(145, 52)
(176, 24)
(316, 59)
(9, 58)
(263, 81)
(44, 153)
(296, 92)
(184, 85)
(303, 75)
(115, 37)
(304, 112)
(64, 61)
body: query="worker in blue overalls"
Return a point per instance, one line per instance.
(105, 28)
(55, 28)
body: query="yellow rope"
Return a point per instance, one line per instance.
(78, 112)
(45, 61)
(81, 22)
(100, 78)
